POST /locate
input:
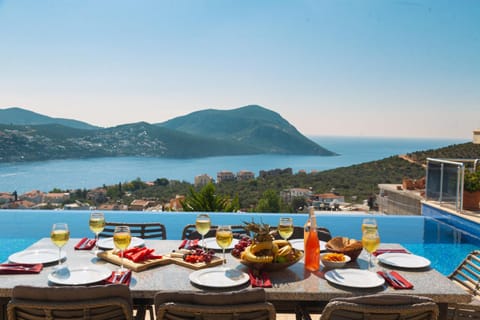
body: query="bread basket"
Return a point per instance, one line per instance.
(347, 246)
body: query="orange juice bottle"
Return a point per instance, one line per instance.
(312, 245)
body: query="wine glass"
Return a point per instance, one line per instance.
(202, 224)
(59, 236)
(224, 237)
(370, 242)
(285, 227)
(122, 239)
(96, 224)
(369, 223)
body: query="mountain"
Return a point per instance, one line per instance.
(19, 116)
(265, 133)
(252, 126)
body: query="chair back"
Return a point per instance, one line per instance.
(467, 274)
(190, 232)
(298, 233)
(381, 307)
(141, 230)
(107, 302)
(238, 305)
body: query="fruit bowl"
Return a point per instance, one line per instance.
(272, 266)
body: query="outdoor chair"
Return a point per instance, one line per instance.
(109, 302)
(141, 230)
(467, 275)
(379, 307)
(190, 232)
(239, 305)
(298, 233)
(146, 230)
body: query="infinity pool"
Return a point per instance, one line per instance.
(445, 246)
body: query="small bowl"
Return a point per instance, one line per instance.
(334, 264)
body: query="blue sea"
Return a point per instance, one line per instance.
(91, 173)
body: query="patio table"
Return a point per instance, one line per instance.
(291, 286)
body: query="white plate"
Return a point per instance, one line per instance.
(354, 278)
(107, 243)
(299, 244)
(403, 260)
(219, 277)
(211, 243)
(80, 275)
(37, 256)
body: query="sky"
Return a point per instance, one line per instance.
(392, 68)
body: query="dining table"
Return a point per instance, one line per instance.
(291, 286)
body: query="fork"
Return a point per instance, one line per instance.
(392, 278)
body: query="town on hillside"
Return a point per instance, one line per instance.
(98, 199)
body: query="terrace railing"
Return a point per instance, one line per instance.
(444, 180)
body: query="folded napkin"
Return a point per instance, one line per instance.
(398, 282)
(123, 278)
(381, 251)
(85, 244)
(20, 268)
(259, 279)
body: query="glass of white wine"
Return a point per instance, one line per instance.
(285, 227)
(96, 224)
(369, 223)
(122, 239)
(202, 224)
(370, 242)
(224, 237)
(60, 234)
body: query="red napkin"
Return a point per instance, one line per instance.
(381, 251)
(85, 244)
(123, 278)
(20, 268)
(399, 278)
(259, 279)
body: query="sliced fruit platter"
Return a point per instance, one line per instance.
(263, 251)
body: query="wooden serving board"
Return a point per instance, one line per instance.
(134, 266)
(216, 261)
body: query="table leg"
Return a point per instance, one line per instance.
(442, 311)
(3, 308)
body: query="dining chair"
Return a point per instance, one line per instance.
(239, 305)
(146, 230)
(298, 233)
(106, 302)
(190, 232)
(381, 307)
(467, 276)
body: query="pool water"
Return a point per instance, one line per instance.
(445, 246)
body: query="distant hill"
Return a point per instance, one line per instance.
(19, 116)
(36, 142)
(252, 126)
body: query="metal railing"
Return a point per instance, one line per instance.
(444, 180)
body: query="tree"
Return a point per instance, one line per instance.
(269, 202)
(207, 200)
(161, 182)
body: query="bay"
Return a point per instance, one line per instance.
(95, 172)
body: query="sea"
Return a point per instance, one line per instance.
(90, 173)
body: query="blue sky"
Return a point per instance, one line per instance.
(355, 68)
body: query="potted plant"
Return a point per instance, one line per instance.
(471, 190)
